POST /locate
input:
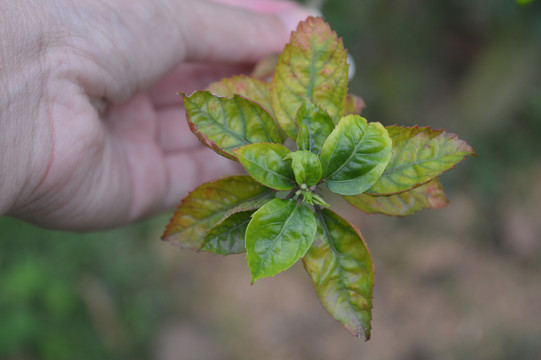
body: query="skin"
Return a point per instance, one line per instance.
(92, 132)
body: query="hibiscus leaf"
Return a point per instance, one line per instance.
(225, 124)
(306, 167)
(255, 90)
(419, 154)
(355, 155)
(429, 195)
(313, 65)
(280, 233)
(227, 236)
(206, 205)
(315, 125)
(266, 164)
(342, 272)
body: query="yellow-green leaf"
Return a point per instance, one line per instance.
(315, 125)
(255, 90)
(266, 164)
(354, 155)
(313, 65)
(341, 270)
(419, 154)
(225, 124)
(207, 204)
(280, 233)
(306, 167)
(429, 195)
(227, 236)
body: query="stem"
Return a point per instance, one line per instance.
(291, 194)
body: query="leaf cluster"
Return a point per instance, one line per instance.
(294, 135)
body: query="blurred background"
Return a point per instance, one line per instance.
(459, 283)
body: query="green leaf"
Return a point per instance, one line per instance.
(342, 272)
(225, 124)
(313, 65)
(306, 167)
(227, 236)
(354, 155)
(250, 88)
(318, 200)
(354, 105)
(266, 164)
(207, 204)
(279, 234)
(429, 195)
(419, 154)
(315, 125)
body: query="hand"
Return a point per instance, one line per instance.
(92, 133)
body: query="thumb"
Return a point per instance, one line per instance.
(155, 37)
(215, 32)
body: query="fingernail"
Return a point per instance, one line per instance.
(291, 18)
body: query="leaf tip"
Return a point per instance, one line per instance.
(365, 335)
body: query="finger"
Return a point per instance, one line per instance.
(229, 34)
(263, 6)
(153, 38)
(174, 134)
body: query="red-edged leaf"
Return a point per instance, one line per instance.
(206, 205)
(227, 236)
(429, 195)
(255, 90)
(313, 65)
(419, 154)
(341, 270)
(225, 124)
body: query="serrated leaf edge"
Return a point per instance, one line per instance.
(168, 237)
(444, 203)
(361, 333)
(234, 211)
(470, 151)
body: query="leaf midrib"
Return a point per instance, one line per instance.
(343, 287)
(354, 152)
(223, 211)
(290, 180)
(442, 153)
(288, 220)
(207, 115)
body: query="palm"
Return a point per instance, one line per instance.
(108, 145)
(131, 152)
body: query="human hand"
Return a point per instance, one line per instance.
(91, 129)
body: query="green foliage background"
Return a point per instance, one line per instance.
(471, 67)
